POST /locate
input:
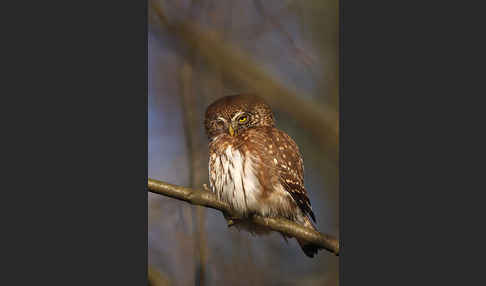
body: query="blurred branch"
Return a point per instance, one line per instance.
(155, 278)
(321, 120)
(208, 199)
(307, 59)
(195, 162)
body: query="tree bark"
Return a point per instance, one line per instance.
(209, 200)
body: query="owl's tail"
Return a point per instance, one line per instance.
(308, 248)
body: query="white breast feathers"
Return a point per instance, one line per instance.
(232, 178)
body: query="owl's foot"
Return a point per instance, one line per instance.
(231, 220)
(234, 220)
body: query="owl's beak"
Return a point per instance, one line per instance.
(231, 130)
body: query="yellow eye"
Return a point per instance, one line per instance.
(243, 119)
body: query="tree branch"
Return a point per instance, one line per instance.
(208, 199)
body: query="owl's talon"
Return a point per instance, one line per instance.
(231, 220)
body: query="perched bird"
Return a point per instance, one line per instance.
(255, 167)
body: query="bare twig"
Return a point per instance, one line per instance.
(306, 58)
(208, 199)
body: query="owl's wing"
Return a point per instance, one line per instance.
(290, 167)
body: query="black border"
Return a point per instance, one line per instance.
(81, 209)
(341, 181)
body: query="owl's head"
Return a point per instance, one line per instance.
(233, 114)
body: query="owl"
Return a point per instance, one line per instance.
(255, 167)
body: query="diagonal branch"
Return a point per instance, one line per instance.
(208, 199)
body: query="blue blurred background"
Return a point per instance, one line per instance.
(287, 51)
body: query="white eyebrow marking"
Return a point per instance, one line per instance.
(221, 118)
(237, 114)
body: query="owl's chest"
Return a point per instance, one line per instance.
(233, 177)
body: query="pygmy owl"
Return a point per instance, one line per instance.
(253, 166)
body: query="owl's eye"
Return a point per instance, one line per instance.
(243, 119)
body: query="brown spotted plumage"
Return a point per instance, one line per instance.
(253, 166)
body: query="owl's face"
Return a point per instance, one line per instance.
(233, 114)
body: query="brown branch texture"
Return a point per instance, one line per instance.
(208, 199)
